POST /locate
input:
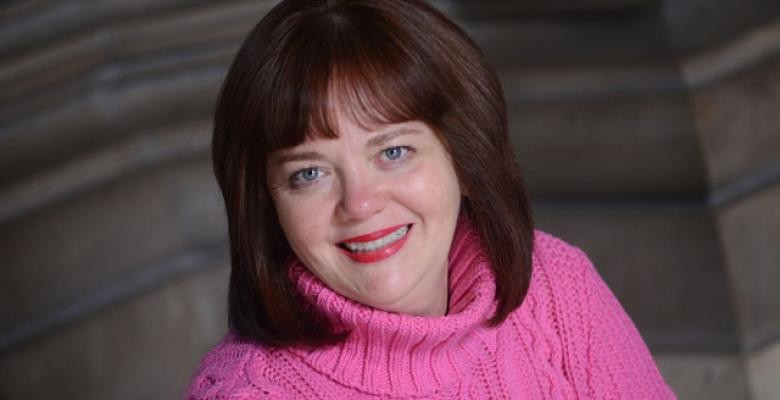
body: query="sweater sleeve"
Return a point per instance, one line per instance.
(617, 363)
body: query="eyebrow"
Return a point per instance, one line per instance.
(375, 141)
(382, 138)
(298, 156)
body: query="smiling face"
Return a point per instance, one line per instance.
(371, 213)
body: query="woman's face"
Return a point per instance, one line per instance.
(371, 213)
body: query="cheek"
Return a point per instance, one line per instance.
(292, 221)
(433, 189)
(298, 223)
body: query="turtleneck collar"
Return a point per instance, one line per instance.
(405, 355)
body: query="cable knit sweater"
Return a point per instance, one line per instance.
(570, 339)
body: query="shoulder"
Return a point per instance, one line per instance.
(558, 263)
(581, 320)
(562, 282)
(234, 369)
(555, 253)
(565, 284)
(566, 296)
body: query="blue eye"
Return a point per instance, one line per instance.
(394, 153)
(306, 175)
(310, 174)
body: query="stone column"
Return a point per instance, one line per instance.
(732, 67)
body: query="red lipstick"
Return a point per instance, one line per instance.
(380, 253)
(374, 235)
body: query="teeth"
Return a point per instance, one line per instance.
(377, 244)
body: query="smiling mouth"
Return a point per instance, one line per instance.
(376, 246)
(362, 247)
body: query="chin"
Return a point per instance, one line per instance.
(398, 300)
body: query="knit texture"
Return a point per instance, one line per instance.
(570, 339)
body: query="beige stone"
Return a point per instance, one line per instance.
(608, 146)
(93, 239)
(750, 229)
(737, 121)
(144, 348)
(715, 376)
(764, 368)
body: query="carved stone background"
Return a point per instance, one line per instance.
(649, 131)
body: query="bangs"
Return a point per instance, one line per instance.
(354, 63)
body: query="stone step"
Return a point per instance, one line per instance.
(90, 122)
(750, 229)
(580, 39)
(609, 146)
(710, 376)
(31, 26)
(144, 84)
(97, 237)
(695, 26)
(147, 347)
(736, 120)
(662, 261)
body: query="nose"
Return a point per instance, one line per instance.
(361, 197)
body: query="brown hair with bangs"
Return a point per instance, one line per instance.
(385, 61)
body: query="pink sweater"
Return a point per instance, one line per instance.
(570, 339)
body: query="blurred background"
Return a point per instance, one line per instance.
(649, 131)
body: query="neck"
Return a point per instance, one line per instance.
(432, 303)
(439, 304)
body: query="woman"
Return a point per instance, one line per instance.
(382, 243)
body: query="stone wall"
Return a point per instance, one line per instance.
(647, 129)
